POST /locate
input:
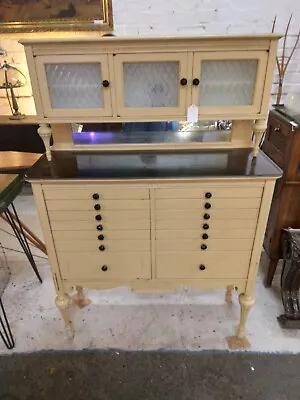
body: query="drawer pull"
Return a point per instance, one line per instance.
(203, 247)
(97, 207)
(95, 196)
(206, 216)
(101, 237)
(196, 81)
(99, 227)
(104, 268)
(183, 82)
(207, 206)
(101, 248)
(98, 217)
(277, 129)
(205, 236)
(205, 226)
(105, 83)
(202, 267)
(208, 195)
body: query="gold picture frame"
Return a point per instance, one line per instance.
(56, 15)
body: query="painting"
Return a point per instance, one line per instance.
(49, 15)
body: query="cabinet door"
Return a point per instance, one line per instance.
(74, 86)
(151, 84)
(231, 83)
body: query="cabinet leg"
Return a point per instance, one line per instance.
(259, 128)
(63, 304)
(240, 341)
(45, 133)
(79, 299)
(271, 272)
(228, 295)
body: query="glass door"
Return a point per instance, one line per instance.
(153, 84)
(230, 83)
(74, 86)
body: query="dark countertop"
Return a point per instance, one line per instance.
(71, 165)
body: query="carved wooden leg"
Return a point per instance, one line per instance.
(259, 128)
(45, 133)
(240, 341)
(63, 304)
(228, 295)
(80, 299)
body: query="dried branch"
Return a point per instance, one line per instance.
(292, 52)
(284, 43)
(274, 23)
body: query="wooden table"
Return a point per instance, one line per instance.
(16, 161)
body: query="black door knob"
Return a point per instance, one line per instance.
(101, 237)
(205, 236)
(196, 81)
(205, 226)
(203, 247)
(202, 267)
(95, 196)
(97, 207)
(208, 195)
(98, 217)
(101, 248)
(207, 206)
(100, 227)
(206, 216)
(183, 81)
(105, 83)
(104, 268)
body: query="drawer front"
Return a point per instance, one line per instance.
(197, 244)
(215, 203)
(86, 193)
(91, 225)
(213, 214)
(216, 192)
(102, 246)
(108, 235)
(212, 233)
(107, 216)
(86, 205)
(108, 266)
(198, 223)
(217, 265)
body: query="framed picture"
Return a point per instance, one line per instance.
(55, 15)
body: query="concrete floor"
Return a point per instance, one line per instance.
(187, 319)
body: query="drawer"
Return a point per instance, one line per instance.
(214, 214)
(211, 244)
(218, 265)
(84, 192)
(212, 233)
(197, 223)
(106, 216)
(120, 266)
(215, 203)
(108, 245)
(85, 205)
(91, 225)
(218, 192)
(108, 235)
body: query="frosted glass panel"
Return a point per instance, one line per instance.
(151, 84)
(75, 85)
(227, 82)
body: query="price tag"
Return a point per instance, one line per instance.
(192, 113)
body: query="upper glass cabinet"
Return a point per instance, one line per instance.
(72, 85)
(151, 84)
(229, 82)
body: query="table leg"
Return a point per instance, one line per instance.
(5, 331)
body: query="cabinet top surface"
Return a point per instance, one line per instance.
(71, 166)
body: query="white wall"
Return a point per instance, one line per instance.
(188, 17)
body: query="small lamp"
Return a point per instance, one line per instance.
(12, 78)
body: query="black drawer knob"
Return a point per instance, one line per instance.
(183, 81)
(208, 195)
(206, 216)
(95, 196)
(196, 81)
(105, 83)
(207, 206)
(205, 226)
(104, 268)
(202, 267)
(97, 207)
(101, 248)
(101, 237)
(98, 217)
(99, 227)
(205, 236)
(203, 247)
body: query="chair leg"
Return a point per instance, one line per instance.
(5, 331)
(271, 271)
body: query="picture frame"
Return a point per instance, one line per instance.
(55, 15)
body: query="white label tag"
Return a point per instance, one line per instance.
(192, 113)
